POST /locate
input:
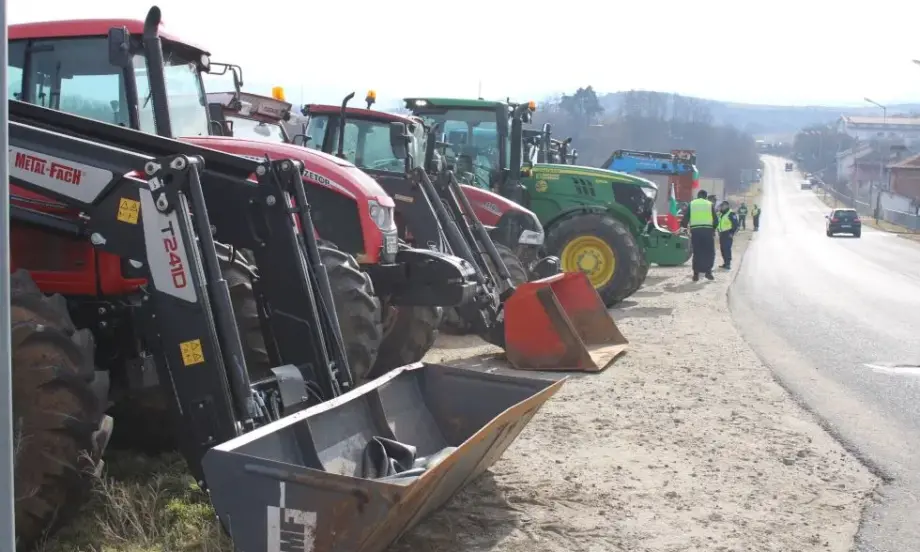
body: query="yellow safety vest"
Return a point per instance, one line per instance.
(701, 213)
(725, 221)
(756, 211)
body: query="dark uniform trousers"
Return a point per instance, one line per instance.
(725, 244)
(703, 241)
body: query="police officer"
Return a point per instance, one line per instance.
(742, 215)
(755, 214)
(727, 226)
(700, 218)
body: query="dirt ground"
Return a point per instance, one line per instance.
(685, 444)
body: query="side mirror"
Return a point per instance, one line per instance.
(399, 140)
(119, 47)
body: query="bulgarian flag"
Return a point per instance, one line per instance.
(673, 223)
(696, 179)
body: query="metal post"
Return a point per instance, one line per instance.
(7, 498)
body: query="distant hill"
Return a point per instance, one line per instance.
(771, 120)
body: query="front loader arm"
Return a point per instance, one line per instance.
(163, 226)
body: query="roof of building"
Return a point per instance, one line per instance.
(891, 122)
(912, 162)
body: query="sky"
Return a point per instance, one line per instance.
(781, 52)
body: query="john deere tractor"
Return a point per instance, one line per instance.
(597, 221)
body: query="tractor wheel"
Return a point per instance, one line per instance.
(641, 275)
(604, 249)
(453, 323)
(60, 429)
(246, 314)
(409, 332)
(357, 308)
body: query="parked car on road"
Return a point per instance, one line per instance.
(843, 221)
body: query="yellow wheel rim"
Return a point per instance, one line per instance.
(591, 255)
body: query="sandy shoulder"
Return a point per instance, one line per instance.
(685, 444)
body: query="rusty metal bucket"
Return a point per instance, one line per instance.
(561, 323)
(299, 484)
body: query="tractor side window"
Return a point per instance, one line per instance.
(74, 75)
(17, 57)
(252, 129)
(376, 151)
(188, 108)
(316, 130)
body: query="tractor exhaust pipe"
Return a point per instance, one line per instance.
(156, 76)
(340, 149)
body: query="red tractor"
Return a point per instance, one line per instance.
(358, 135)
(66, 65)
(125, 249)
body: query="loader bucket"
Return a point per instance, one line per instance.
(356, 472)
(560, 323)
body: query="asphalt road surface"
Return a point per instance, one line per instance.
(838, 320)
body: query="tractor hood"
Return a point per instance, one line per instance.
(575, 170)
(319, 168)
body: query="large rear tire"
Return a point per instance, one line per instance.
(358, 310)
(455, 324)
(641, 275)
(615, 256)
(409, 332)
(60, 429)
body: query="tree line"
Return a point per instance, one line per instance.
(815, 149)
(649, 121)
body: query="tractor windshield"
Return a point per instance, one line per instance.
(253, 129)
(366, 144)
(74, 75)
(473, 138)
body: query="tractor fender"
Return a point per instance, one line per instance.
(629, 220)
(571, 213)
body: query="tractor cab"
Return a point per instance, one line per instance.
(96, 69)
(371, 139)
(485, 140)
(251, 116)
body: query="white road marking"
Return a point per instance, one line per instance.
(899, 370)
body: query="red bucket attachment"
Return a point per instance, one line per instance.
(560, 323)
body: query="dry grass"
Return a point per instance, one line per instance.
(143, 504)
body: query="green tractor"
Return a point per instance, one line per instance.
(597, 221)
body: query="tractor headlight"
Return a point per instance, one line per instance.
(382, 216)
(529, 237)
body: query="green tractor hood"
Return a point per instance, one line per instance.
(604, 174)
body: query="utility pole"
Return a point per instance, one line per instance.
(7, 456)
(881, 159)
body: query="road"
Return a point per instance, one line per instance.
(838, 320)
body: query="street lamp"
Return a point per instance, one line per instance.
(881, 165)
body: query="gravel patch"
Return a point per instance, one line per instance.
(685, 444)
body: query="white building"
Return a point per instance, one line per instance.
(872, 128)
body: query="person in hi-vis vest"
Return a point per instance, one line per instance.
(727, 225)
(755, 213)
(700, 218)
